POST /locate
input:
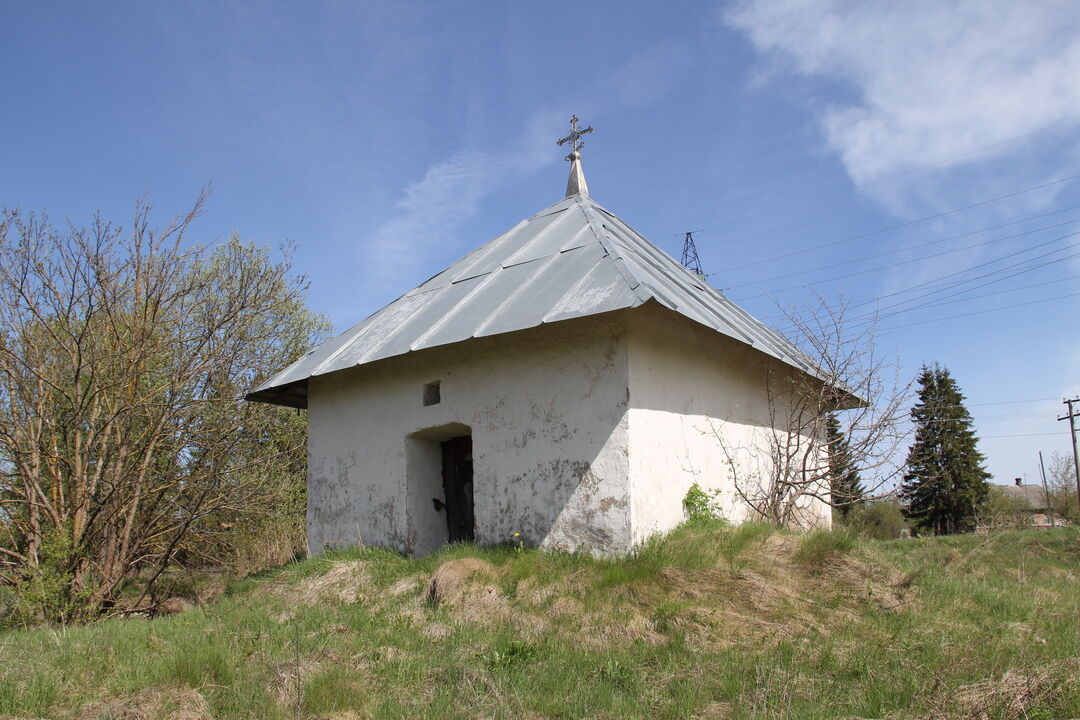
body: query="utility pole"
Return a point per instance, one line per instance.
(1071, 417)
(1046, 490)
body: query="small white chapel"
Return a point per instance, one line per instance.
(565, 383)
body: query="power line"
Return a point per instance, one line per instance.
(1013, 416)
(948, 286)
(863, 320)
(908, 223)
(909, 248)
(997, 418)
(851, 188)
(995, 293)
(920, 259)
(998, 259)
(993, 437)
(1011, 402)
(873, 317)
(1021, 267)
(866, 318)
(996, 402)
(979, 312)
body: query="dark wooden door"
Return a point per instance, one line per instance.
(458, 488)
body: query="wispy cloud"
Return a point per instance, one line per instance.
(932, 81)
(433, 208)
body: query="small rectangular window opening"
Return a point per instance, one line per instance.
(431, 393)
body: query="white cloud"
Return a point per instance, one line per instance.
(432, 204)
(932, 80)
(433, 208)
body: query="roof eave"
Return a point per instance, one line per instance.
(294, 394)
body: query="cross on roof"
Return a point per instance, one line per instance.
(574, 138)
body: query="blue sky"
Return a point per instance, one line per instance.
(914, 141)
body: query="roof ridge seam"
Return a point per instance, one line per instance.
(551, 260)
(620, 267)
(360, 328)
(447, 316)
(544, 232)
(482, 252)
(584, 276)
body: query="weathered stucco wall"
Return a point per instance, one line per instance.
(546, 409)
(694, 393)
(586, 435)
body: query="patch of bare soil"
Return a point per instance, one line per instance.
(150, 704)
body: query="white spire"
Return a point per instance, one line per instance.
(575, 185)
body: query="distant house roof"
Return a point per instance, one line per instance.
(570, 260)
(1033, 496)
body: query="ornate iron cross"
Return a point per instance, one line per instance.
(574, 138)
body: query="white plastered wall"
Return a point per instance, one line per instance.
(698, 403)
(546, 409)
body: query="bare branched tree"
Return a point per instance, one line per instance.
(1061, 483)
(781, 470)
(124, 446)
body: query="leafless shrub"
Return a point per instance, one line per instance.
(786, 465)
(124, 446)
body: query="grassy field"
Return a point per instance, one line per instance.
(706, 623)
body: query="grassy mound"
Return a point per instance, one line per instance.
(707, 622)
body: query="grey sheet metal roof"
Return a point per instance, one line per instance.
(570, 260)
(1033, 496)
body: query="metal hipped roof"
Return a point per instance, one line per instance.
(1032, 496)
(570, 260)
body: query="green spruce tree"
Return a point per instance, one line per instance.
(844, 481)
(945, 482)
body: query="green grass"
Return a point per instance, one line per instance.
(817, 546)
(708, 622)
